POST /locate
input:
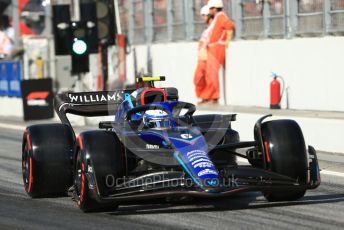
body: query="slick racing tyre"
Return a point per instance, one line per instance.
(82, 193)
(99, 157)
(47, 153)
(285, 146)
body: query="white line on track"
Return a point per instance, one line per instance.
(13, 127)
(322, 172)
(22, 128)
(332, 173)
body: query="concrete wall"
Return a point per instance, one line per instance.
(176, 61)
(11, 106)
(312, 68)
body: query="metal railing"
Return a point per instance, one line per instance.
(148, 21)
(310, 16)
(337, 17)
(276, 19)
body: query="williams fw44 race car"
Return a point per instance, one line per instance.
(155, 147)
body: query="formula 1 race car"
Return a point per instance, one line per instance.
(155, 147)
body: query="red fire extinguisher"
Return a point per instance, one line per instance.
(275, 92)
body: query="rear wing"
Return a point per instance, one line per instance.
(88, 104)
(95, 104)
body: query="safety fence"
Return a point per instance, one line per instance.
(147, 21)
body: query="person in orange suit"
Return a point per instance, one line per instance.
(221, 33)
(200, 72)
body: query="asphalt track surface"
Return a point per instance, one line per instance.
(322, 208)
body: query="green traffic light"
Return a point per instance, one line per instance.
(79, 47)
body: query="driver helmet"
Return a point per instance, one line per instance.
(156, 119)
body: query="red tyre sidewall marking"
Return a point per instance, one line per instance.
(266, 145)
(81, 144)
(82, 191)
(268, 159)
(30, 163)
(30, 177)
(28, 142)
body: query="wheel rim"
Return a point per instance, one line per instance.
(26, 167)
(78, 175)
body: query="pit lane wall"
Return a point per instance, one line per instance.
(312, 68)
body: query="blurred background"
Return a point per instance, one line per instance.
(49, 47)
(57, 46)
(87, 45)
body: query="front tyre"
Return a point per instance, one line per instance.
(99, 155)
(286, 155)
(82, 193)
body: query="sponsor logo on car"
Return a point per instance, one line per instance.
(212, 182)
(186, 136)
(92, 98)
(208, 172)
(195, 155)
(204, 165)
(149, 146)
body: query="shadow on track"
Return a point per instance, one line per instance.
(238, 202)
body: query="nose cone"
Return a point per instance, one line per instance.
(192, 154)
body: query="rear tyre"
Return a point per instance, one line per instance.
(285, 146)
(47, 153)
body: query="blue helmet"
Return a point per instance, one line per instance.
(156, 119)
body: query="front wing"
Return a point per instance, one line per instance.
(177, 184)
